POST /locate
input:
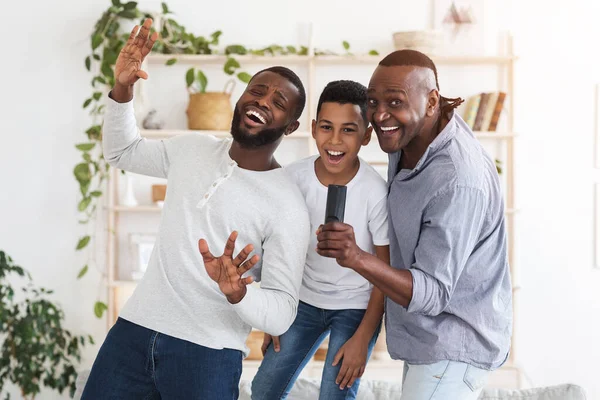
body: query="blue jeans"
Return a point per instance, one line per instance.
(443, 380)
(137, 363)
(278, 371)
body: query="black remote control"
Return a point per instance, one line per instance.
(336, 203)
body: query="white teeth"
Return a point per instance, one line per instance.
(335, 153)
(388, 128)
(257, 115)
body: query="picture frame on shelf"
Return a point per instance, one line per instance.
(142, 246)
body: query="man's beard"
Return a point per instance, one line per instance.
(249, 141)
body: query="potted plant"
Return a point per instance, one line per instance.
(35, 350)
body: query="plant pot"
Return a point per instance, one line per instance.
(211, 111)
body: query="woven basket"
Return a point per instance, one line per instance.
(211, 111)
(426, 42)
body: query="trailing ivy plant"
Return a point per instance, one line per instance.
(35, 350)
(106, 42)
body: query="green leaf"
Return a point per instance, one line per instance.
(96, 193)
(84, 203)
(91, 339)
(116, 3)
(373, 53)
(236, 49)
(83, 242)
(85, 146)
(96, 41)
(88, 63)
(110, 56)
(107, 70)
(346, 45)
(230, 66)
(84, 187)
(291, 49)
(83, 271)
(202, 81)
(189, 77)
(165, 9)
(303, 51)
(244, 77)
(130, 6)
(101, 80)
(82, 172)
(97, 95)
(99, 308)
(171, 61)
(129, 14)
(87, 103)
(215, 37)
(96, 57)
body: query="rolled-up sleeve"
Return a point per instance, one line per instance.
(450, 231)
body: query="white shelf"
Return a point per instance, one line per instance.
(138, 209)
(495, 135)
(167, 133)
(320, 59)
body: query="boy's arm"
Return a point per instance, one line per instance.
(272, 308)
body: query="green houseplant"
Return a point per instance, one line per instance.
(35, 349)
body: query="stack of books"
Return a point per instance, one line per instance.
(482, 111)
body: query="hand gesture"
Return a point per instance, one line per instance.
(354, 360)
(336, 240)
(129, 63)
(267, 341)
(226, 271)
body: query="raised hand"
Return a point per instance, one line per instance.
(227, 271)
(129, 63)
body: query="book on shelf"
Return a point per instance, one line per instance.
(482, 111)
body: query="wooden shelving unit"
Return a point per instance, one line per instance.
(505, 66)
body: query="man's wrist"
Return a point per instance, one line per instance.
(236, 298)
(121, 94)
(363, 260)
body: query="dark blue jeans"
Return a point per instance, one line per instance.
(139, 364)
(278, 371)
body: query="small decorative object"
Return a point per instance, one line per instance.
(208, 110)
(150, 121)
(424, 41)
(254, 343)
(128, 198)
(463, 28)
(158, 193)
(141, 250)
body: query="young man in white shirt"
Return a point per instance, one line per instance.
(334, 301)
(182, 333)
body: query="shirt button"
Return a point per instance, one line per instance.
(206, 196)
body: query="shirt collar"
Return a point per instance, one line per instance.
(438, 143)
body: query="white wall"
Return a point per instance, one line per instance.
(45, 84)
(559, 315)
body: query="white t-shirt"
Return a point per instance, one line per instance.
(325, 283)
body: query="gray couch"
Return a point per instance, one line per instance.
(308, 389)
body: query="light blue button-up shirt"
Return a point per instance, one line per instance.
(447, 228)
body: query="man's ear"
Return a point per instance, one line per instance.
(368, 134)
(291, 127)
(314, 128)
(433, 101)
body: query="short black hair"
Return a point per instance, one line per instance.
(294, 80)
(345, 92)
(407, 57)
